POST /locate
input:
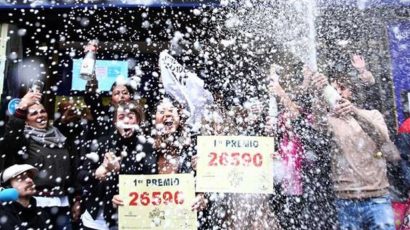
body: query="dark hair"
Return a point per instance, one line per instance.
(129, 88)
(133, 107)
(342, 79)
(183, 117)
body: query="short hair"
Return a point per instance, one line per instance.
(342, 79)
(129, 88)
(131, 106)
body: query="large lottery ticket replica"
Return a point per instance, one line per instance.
(235, 164)
(157, 202)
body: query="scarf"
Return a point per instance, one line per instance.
(50, 137)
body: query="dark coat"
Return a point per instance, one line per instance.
(56, 165)
(17, 216)
(98, 194)
(102, 124)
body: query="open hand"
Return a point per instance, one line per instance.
(358, 62)
(111, 162)
(319, 81)
(29, 99)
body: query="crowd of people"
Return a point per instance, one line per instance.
(335, 157)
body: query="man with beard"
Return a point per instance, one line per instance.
(23, 213)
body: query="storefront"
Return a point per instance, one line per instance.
(51, 35)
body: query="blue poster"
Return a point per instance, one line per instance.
(107, 72)
(399, 38)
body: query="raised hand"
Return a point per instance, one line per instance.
(365, 75)
(358, 62)
(29, 99)
(319, 81)
(111, 162)
(91, 46)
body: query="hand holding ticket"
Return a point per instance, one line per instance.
(157, 202)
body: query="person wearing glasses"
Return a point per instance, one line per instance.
(29, 139)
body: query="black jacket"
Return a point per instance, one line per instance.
(56, 165)
(98, 194)
(102, 124)
(17, 216)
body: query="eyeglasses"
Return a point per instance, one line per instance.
(35, 112)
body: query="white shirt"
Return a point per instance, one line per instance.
(98, 223)
(57, 201)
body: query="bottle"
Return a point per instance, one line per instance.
(275, 71)
(37, 86)
(273, 107)
(331, 95)
(88, 63)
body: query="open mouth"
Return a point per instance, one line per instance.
(41, 121)
(127, 130)
(169, 123)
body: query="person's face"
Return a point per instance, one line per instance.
(37, 116)
(167, 118)
(344, 92)
(125, 122)
(120, 93)
(24, 184)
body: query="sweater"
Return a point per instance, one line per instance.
(358, 170)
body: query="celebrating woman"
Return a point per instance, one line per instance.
(123, 151)
(173, 146)
(31, 140)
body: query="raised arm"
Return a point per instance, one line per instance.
(14, 138)
(365, 75)
(275, 89)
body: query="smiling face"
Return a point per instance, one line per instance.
(167, 118)
(120, 94)
(24, 184)
(37, 117)
(126, 120)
